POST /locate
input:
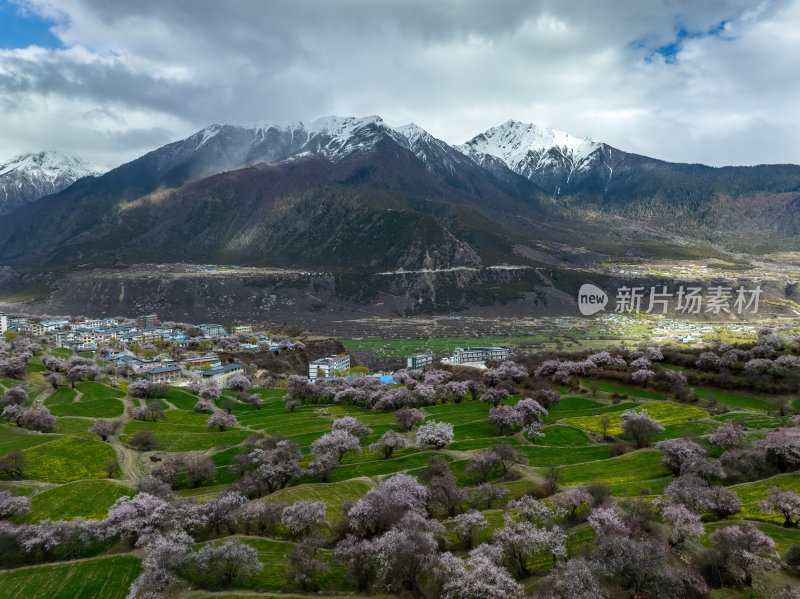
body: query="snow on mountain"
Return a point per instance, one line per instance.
(28, 177)
(513, 141)
(331, 137)
(336, 137)
(548, 157)
(552, 159)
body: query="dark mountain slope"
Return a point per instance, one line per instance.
(376, 210)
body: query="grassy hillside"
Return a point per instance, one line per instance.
(68, 477)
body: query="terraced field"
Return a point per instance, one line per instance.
(68, 459)
(606, 387)
(734, 400)
(564, 436)
(272, 554)
(106, 578)
(185, 431)
(663, 411)
(635, 466)
(14, 439)
(82, 499)
(66, 478)
(334, 494)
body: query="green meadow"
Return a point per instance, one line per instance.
(67, 475)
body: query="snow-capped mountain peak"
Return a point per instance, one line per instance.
(330, 137)
(49, 165)
(28, 177)
(412, 131)
(549, 158)
(513, 142)
(338, 129)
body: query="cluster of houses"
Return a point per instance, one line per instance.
(207, 368)
(336, 365)
(114, 337)
(91, 333)
(462, 356)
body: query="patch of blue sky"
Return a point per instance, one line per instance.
(669, 52)
(20, 28)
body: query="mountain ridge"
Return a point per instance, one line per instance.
(509, 186)
(28, 177)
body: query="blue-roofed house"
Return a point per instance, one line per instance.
(221, 375)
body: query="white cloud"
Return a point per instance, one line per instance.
(135, 74)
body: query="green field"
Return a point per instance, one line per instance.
(404, 347)
(100, 578)
(91, 390)
(82, 499)
(194, 441)
(13, 439)
(564, 436)
(272, 555)
(66, 478)
(382, 467)
(750, 493)
(696, 428)
(754, 420)
(631, 391)
(76, 427)
(182, 400)
(663, 411)
(556, 416)
(68, 459)
(98, 408)
(186, 431)
(636, 466)
(572, 402)
(559, 456)
(731, 399)
(61, 395)
(469, 444)
(333, 494)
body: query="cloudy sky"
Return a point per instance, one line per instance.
(711, 81)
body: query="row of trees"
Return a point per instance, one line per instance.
(417, 388)
(15, 356)
(13, 403)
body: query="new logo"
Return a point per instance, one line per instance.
(591, 299)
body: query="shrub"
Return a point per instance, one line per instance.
(792, 557)
(619, 448)
(143, 441)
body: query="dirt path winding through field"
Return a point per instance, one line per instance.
(132, 463)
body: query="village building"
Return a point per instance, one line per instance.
(164, 374)
(207, 362)
(327, 366)
(463, 355)
(419, 361)
(221, 375)
(146, 321)
(54, 325)
(212, 330)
